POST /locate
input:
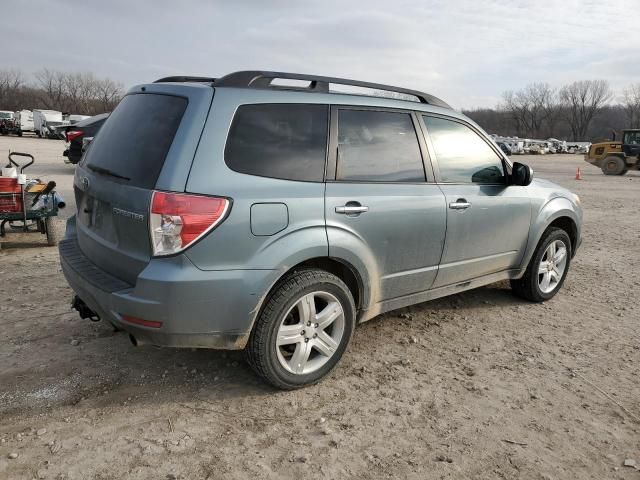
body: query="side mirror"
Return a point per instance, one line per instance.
(521, 174)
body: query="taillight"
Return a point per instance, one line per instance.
(179, 219)
(73, 134)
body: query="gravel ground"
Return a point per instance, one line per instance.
(477, 385)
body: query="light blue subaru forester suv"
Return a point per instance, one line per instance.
(272, 212)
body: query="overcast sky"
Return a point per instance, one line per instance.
(466, 51)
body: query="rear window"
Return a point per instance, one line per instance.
(286, 141)
(133, 144)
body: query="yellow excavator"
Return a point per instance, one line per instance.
(616, 158)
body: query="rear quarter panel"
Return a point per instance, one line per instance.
(233, 245)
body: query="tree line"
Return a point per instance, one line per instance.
(79, 93)
(580, 111)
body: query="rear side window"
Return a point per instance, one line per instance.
(134, 142)
(286, 141)
(463, 157)
(376, 146)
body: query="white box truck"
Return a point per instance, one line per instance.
(45, 120)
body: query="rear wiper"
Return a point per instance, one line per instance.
(106, 171)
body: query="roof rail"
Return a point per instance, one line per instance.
(185, 78)
(262, 79)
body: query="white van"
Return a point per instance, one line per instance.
(24, 121)
(44, 120)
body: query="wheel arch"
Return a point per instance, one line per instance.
(560, 213)
(568, 225)
(339, 267)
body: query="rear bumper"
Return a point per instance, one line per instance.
(201, 309)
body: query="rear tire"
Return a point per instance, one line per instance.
(614, 166)
(53, 227)
(303, 329)
(543, 278)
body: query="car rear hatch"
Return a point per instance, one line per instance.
(146, 144)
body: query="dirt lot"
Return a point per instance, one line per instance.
(479, 385)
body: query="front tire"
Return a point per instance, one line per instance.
(547, 269)
(614, 166)
(303, 330)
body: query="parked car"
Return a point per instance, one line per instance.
(578, 147)
(7, 122)
(73, 118)
(536, 149)
(79, 135)
(273, 218)
(505, 148)
(560, 146)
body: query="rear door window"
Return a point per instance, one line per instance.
(378, 146)
(286, 141)
(134, 142)
(463, 157)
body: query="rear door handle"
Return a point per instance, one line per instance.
(460, 204)
(352, 209)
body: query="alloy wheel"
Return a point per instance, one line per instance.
(310, 333)
(552, 266)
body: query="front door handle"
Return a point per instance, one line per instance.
(352, 209)
(460, 204)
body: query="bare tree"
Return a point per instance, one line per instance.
(516, 111)
(77, 92)
(52, 84)
(109, 93)
(531, 107)
(631, 105)
(11, 81)
(72, 88)
(552, 108)
(81, 90)
(581, 101)
(497, 121)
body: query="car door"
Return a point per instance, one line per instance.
(488, 220)
(380, 209)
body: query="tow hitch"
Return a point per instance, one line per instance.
(83, 309)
